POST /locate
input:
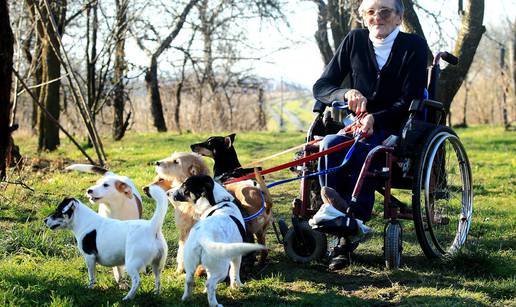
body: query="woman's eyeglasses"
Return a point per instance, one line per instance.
(383, 13)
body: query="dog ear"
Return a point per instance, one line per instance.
(228, 140)
(124, 188)
(69, 208)
(192, 170)
(208, 192)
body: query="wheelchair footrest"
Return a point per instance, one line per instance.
(342, 226)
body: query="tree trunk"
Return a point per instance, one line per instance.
(91, 61)
(341, 16)
(6, 65)
(91, 50)
(262, 120)
(48, 131)
(469, 36)
(151, 79)
(119, 127)
(34, 58)
(321, 35)
(514, 55)
(151, 76)
(465, 118)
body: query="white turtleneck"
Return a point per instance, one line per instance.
(382, 47)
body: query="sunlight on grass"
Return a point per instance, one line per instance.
(43, 267)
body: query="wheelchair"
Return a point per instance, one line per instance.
(427, 158)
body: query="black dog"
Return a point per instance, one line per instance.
(221, 149)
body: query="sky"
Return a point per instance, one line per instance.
(299, 60)
(302, 63)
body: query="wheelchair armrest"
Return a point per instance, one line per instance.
(319, 107)
(418, 105)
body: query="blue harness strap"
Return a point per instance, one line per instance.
(323, 172)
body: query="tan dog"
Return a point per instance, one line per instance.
(181, 166)
(251, 200)
(172, 172)
(227, 166)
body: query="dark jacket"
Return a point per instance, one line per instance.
(389, 91)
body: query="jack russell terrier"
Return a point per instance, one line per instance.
(116, 196)
(216, 240)
(111, 242)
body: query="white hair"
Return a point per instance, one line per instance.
(398, 7)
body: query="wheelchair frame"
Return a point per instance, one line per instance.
(421, 173)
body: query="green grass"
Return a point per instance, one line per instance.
(43, 267)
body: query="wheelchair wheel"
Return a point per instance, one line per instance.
(392, 245)
(442, 196)
(305, 246)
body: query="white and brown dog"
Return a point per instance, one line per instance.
(216, 240)
(111, 242)
(116, 196)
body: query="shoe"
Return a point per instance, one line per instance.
(332, 197)
(338, 262)
(364, 233)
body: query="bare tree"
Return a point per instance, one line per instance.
(6, 65)
(48, 131)
(468, 39)
(340, 16)
(119, 125)
(151, 75)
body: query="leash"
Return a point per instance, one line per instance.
(294, 163)
(354, 129)
(280, 153)
(319, 173)
(325, 171)
(341, 105)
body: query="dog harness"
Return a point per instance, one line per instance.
(239, 225)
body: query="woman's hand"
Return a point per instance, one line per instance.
(367, 124)
(356, 101)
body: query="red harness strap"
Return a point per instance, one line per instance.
(295, 162)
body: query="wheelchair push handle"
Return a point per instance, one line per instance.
(447, 57)
(320, 106)
(341, 105)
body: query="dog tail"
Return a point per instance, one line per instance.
(266, 194)
(160, 197)
(88, 168)
(229, 250)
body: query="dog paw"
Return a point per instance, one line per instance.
(127, 297)
(123, 285)
(185, 297)
(236, 285)
(91, 285)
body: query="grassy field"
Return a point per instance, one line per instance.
(43, 267)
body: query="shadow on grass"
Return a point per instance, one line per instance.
(30, 290)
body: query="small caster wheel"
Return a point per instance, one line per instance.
(392, 245)
(305, 244)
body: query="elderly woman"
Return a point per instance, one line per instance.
(387, 69)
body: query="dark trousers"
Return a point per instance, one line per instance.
(344, 179)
